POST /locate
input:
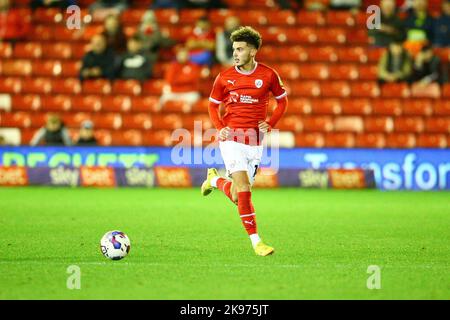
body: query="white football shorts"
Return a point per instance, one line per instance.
(241, 157)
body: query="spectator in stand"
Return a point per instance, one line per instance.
(201, 43)
(345, 4)
(441, 35)
(427, 67)
(224, 46)
(100, 61)
(152, 38)
(419, 26)
(86, 136)
(182, 80)
(395, 64)
(135, 63)
(12, 25)
(113, 32)
(390, 27)
(62, 4)
(116, 5)
(54, 133)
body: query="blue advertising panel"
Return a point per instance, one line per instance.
(413, 169)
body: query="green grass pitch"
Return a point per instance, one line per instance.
(185, 246)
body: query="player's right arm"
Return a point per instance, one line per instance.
(215, 99)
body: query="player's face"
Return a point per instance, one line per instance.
(242, 53)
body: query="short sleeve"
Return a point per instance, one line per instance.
(277, 86)
(217, 92)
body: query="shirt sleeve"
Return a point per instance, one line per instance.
(217, 92)
(277, 86)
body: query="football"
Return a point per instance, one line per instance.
(115, 245)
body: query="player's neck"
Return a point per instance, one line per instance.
(250, 66)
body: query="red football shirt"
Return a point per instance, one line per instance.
(246, 95)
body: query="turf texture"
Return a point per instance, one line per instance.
(185, 246)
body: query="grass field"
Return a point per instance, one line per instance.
(185, 246)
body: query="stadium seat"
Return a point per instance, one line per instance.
(127, 87)
(338, 89)
(312, 71)
(336, 18)
(87, 34)
(107, 120)
(348, 124)
(37, 85)
(26, 135)
(70, 69)
(217, 17)
(47, 16)
(28, 102)
(157, 138)
(400, 140)
(103, 137)
(58, 103)
(441, 107)
(374, 54)
(269, 53)
(331, 36)
(343, 72)
(46, 68)
(10, 85)
(274, 35)
(378, 124)
(417, 107)
(132, 16)
(431, 141)
(166, 16)
(355, 54)
(356, 106)
(13, 68)
(6, 50)
(66, 86)
(299, 106)
(87, 103)
(432, 90)
(312, 140)
(294, 53)
(176, 107)
(38, 119)
(167, 121)
(79, 50)
(370, 140)
(325, 106)
(148, 104)
(62, 33)
(252, 17)
(140, 121)
(302, 36)
(339, 140)
(322, 54)
(305, 88)
(200, 120)
(288, 71)
(97, 86)
(58, 50)
(126, 138)
(409, 124)
(282, 18)
(358, 37)
(310, 18)
(395, 90)
(15, 119)
(364, 89)
(153, 87)
(387, 107)
(42, 33)
(437, 125)
(27, 50)
(200, 106)
(446, 91)
(317, 123)
(368, 72)
(116, 103)
(290, 123)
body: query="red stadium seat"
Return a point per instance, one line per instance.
(441, 108)
(87, 103)
(58, 103)
(378, 124)
(305, 88)
(282, 18)
(409, 124)
(334, 36)
(167, 121)
(47, 68)
(88, 32)
(370, 140)
(103, 137)
(343, 72)
(166, 16)
(97, 86)
(70, 69)
(79, 50)
(368, 72)
(15, 120)
(107, 120)
(417, 107)
(387, 107)
(338, 89)
(364, 89)
(322, 54)
(357, 37)
(66, 86)
(200, 120)
(145, 104)
(348, 124)
(176, 107)
(269, 53)
(132, 16)
(340, 18)
(74, 120)
(13, 68)
(432, 90)
(190, 16)
(290, 123)
(153, 87)
(294, 53)
(37, 85)
(316, 71)
(274, 35)
(26, 135)
(41, 33)
(217, 17)
(140, 121)
(438, 125)
(310, 18)
(354, 54)
(27, 50)
(10, 85)
(29, 102)
(374, 54)
(58, 50)
(305, 35)
(325, 106)
(116, 103)
(47, 16)
(446, 91)
(62, 33)
(253, 17)
(317, 124)
(200, 106)
(400, 140)
(127, 87)
(339, 140)
(299, 106)
(6, 50)
(126, 138)
(356, 106)
(431, 141)
(395, 90)
(157, 138)
(315, 140)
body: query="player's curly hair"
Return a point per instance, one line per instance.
(247, 34)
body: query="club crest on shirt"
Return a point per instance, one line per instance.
(258, 83)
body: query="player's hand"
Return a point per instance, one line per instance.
(263, 126)
(224, 133)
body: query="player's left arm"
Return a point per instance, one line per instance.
(280, 94)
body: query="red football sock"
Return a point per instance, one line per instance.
(225, 186)
(247, 212)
